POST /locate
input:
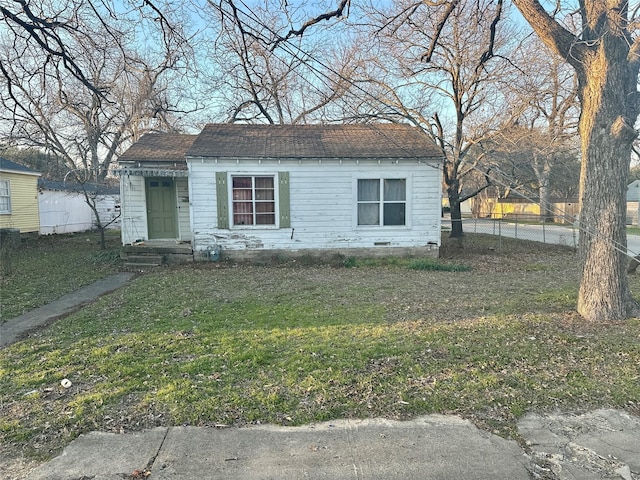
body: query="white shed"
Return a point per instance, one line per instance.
(253, 190)
(63, 208)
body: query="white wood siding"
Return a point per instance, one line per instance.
(68, 212)
(108, 207)
(323, 206)
(182, 202)
(134, 209)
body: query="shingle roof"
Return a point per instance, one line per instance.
(9, 166)
(159, 147)
(313, 141)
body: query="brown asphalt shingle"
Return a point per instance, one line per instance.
(159, 147)
(313, 141)
(286, 141)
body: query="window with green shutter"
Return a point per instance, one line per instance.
(253, 200)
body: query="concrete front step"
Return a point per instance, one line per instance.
(157, 249)
(150, 259)
(156, 253)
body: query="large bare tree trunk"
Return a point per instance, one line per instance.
(455, 213)
(606, 139)
(605, 58)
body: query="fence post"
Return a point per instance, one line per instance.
(544, 232)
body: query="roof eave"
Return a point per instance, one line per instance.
(20, 172)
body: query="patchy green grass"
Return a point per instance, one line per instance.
(44, 268)
(230, 344)
(412, 263)
(633, 230)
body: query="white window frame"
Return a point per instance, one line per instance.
(381, 202)
(276, 192)
(5, 186)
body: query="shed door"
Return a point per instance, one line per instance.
(161, 208)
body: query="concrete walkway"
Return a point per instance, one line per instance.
(17, 327)
(595, 445)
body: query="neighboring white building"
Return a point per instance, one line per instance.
(248, 190)
(63, 208)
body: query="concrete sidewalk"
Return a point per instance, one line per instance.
(595, 445)
(17, 327)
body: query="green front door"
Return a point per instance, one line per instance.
(161, 208)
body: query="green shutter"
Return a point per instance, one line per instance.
(284, 200)
(222, 194)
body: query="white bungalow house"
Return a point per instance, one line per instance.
(249, 190)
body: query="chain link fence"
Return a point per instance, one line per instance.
(555, 230)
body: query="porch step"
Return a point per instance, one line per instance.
(149, 259)
(136, 256)
(143, 261)
(156, 249)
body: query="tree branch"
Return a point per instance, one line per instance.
(559, 39)
(443, 20)
(41, 31)
(337, 13)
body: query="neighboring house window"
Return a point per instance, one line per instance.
(254, 201)
(382, 201)
(5, 197)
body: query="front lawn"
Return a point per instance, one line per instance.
(231, 344)
(44, 268)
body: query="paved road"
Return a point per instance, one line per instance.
(556, 234)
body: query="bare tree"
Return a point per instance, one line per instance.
(449, 85)
(47, 27)
(606, 57)
(604, 51)
(85, 121)
(544, 103)
(289, 85)
(530, 161)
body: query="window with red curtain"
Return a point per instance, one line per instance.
(253, 200)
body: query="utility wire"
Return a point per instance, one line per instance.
(287, 46)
